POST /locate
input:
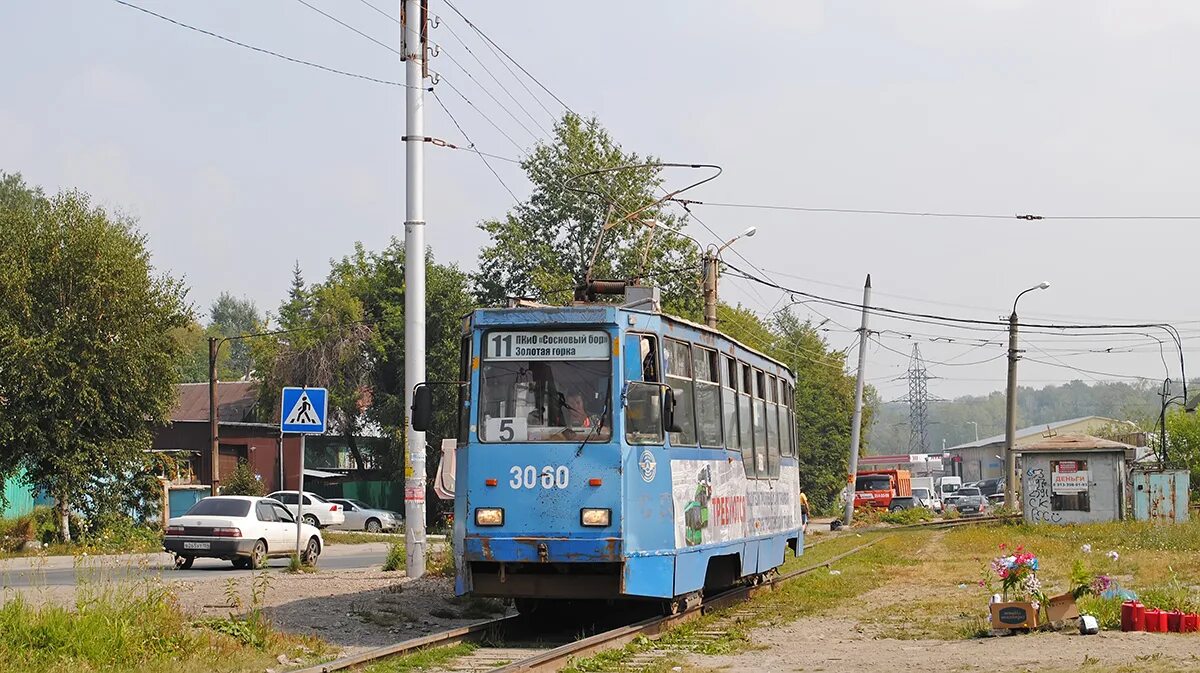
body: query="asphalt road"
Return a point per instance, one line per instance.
(28, 574)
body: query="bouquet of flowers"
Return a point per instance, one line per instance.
(1017, 572)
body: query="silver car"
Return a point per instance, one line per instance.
(361, 516)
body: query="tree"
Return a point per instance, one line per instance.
(231, 316)
(87, 359)
(243, 481)
(545, 247)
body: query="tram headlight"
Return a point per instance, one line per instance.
(489, 516)
(590, 516)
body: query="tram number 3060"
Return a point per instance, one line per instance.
(550, 477)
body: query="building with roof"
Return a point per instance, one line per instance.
(983, 458)
(1074, 478)
(272, 456)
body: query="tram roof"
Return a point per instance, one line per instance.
(594, 313)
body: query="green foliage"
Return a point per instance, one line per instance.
(243, 481)
(395, 559)
(544, 246)
(439, 560)
(433, 658)
(905, 517)
(86, 350)
(231, 316)
(1183, 444)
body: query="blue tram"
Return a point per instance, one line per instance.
(608, 452)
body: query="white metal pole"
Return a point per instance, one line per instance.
(856, 422)
(300, 498)
(414, 280)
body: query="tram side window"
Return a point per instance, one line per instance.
(773, 448)
(729, 377)
(760, 423)
(745, 429)
(781, 415)
(464, 391)
(791, 419)
(708, 396)
(679, 377)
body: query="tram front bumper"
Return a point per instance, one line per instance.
(542, 549)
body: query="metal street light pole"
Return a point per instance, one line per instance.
(1010, 416)
(712, 268)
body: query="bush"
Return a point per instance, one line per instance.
(439, 561)
(243, 482)
(908, 516)
(395, 557)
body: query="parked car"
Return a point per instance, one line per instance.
(242, 529)
(924, 498)
(996, 499)
(318, 511)
(361, 516)
(990, 487)
(969, 501)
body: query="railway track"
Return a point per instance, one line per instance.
(528, 654)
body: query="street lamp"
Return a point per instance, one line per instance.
(1010, 416)
(976, 429)
(712, 268)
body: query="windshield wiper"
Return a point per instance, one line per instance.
(599, 424)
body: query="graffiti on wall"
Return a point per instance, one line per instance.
(1037, 497)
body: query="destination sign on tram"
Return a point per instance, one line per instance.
(548, 345)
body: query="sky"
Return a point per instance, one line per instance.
(238, 165)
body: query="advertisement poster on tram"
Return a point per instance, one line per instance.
(715, 502)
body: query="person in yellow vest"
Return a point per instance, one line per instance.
(803, 512)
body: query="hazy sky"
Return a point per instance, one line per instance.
(237, 164)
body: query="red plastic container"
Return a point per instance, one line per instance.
(1191, 623)
(1127, 616)
(1139, 616)
(1174, 621)
(1155, 617)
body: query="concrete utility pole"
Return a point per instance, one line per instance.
(214, 439)
(859, 382)
(1010, 415)
(712, 269)
(710, 288)
(412, 48)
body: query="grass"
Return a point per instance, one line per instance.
(809, 594)
(140, 631)
(353, 537)
(119, 537)
(422, 660)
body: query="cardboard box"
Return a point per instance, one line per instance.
(1014, 615)
(1061, 607)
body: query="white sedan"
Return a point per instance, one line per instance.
(361, 516)
(318, 511)
(242, 529)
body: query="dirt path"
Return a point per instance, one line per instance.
(918, 620)
(819, 644)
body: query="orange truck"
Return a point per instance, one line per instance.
(884, 489)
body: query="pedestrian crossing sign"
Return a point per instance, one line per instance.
(303, 410)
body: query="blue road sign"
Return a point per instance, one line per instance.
(303, 410)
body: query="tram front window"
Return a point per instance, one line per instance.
(562, 396)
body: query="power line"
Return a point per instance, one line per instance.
(916, 213)
(481, 113)
(496, 79)
(261, 50)
(489, 93)
(472, 146)
(510, 58)
(346, 25)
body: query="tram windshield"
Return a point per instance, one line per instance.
(546, 386)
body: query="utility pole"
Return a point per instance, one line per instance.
(859, 381)
(413, 52)
(1010, 415)
(214, 439)
(710, 288)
